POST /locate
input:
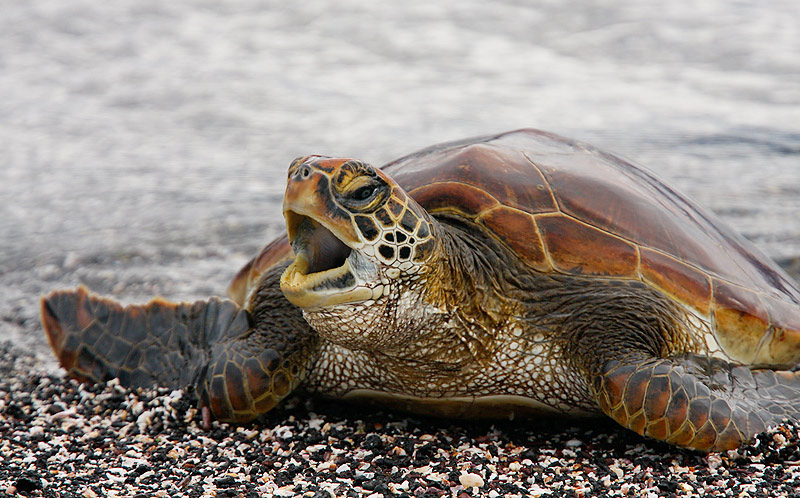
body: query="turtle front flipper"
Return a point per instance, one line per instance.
(251, 369)
(694, 401)
(241, 363)
(157, 344)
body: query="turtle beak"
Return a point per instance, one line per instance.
(308, 195)
(322, 237)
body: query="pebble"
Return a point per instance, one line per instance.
(471, 480)
(114, 442)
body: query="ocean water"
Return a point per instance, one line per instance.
(144, 144)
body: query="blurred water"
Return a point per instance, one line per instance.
(143, 144)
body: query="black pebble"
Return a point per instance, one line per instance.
(28, 484)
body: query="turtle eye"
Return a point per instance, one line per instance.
(364, 193)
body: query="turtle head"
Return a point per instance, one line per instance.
(355, 233)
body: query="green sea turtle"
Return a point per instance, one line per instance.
(508, 275)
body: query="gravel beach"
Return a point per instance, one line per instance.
(143, 152)
(62, 438)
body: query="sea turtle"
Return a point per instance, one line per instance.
(507, 275)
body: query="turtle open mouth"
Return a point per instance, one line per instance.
(322, 273)
(316, 248)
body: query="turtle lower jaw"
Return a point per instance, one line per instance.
(321, 289)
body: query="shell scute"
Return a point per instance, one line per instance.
(518, 230)
(577, 248)
(504, 173)
(626, 201)
(453, 197)
(677, 279)
(784, 345)
(741, 321)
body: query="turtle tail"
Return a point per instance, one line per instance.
(156, 344)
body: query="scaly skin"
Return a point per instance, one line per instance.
(671, 399)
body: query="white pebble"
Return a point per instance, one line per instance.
(536, 491)
(398, 488)
(470, 480)
(137, 408)
(285, 491)
(343, 468)
(514, 466)
(64, 414)
(117, 474)
(144, 420)
(713, 460)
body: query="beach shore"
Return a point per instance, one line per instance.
(62, 438)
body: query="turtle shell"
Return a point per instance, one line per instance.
(247, 279)
(564, 206)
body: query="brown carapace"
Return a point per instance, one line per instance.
(518, 273)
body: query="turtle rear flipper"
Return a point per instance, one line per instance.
(239, 367)
(692, 401)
